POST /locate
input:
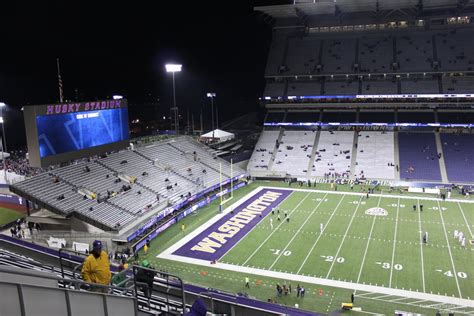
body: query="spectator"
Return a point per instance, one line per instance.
(96, 267)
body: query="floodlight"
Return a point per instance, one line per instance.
(2, 104)
(173, 67)
(211, 94)
(117, 97)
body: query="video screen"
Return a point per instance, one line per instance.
(63, 133)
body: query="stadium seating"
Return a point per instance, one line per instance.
(420, 86)
(418, 156)
(333, 155)
(302, 52)
(263, 150)
(381, 86)
(458, 150)
(455, 49)
(294, 152)
(274, 89)
(338, 55)
(126, 184)
(375, 53)
(341, 87)
(375, 155)
(304, 88)
(458, 84)
(414, 52)
(456, 117)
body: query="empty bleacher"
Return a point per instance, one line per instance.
(414, 52)
(263, 150)
(420, 86)
(333, 154)
(341, 87)
(304, 88)
(456, 117)
(418, 156)
(375, 53)
(294, 152)
(339, 116)
(458, 150)
(338, 55)
(127, 184)
(375, 155)
(458, 84)
(367, 116)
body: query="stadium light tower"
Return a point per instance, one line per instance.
(212, 95)
(174, 68)
(4, 143)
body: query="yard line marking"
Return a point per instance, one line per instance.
(269, 236)
(368, 243)
(421, 246)
(394, 244)
(467, 224)
(324, 228)
(449, 249)
(345, 234)
(296, 234)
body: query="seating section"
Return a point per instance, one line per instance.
(346, 87)
(294, 152)
(302, 52)
(458, 150)
(338, 55)
(458, 84)
(333, 154)
(420, 86)
(415, 52)
(274, 89)
(456, 117)
(375, 53)
(304, 88)
(375, 155)
(263, 151)
(376, 116)
(386, 86)
(116, 190)
(418, 156)
(455, 49)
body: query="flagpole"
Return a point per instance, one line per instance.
(60, 82)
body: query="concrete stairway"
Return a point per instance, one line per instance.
(442, 164)
(313, 153)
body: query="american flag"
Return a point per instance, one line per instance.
(60, 82)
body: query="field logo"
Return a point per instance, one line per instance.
(376, 211)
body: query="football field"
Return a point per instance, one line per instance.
(373, 246)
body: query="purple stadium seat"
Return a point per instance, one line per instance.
(459, 156)
(418, 156)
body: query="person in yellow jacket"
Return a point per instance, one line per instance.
(96, 267)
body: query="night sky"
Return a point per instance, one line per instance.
(118, 47)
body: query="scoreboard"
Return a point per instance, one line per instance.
(58, 133)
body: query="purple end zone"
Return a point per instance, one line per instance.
(217, 239)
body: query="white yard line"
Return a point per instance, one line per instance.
(394, 244)
(368, 243)
(271, 234)
(421, 246)
(408, 197)
(324, 282)
(449, 249)
(465, 220)
(344, 238)
(320, 234)
(297, 232)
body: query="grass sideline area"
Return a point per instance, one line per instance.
(354, 246)
(8, 215)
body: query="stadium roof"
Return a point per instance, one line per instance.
(306, 8)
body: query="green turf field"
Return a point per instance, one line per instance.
(353, 246)
(8, 215)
